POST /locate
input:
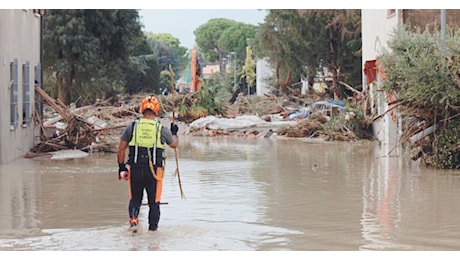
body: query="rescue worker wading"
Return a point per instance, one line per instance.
(146, 139)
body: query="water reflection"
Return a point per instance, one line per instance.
(19, 203)
(242, 195)
(381, 204)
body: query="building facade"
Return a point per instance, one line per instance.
(20, 70)
(377, 27)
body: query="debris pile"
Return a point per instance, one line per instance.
(305, 128)
(85, 128)
(98, 127)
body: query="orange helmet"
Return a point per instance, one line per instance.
(150, 102)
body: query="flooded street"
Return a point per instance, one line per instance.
(241, 195)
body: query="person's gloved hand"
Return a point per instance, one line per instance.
(123, 172)
(174, 128)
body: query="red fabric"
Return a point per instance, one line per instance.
(370, 70)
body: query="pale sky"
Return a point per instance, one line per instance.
(181, 23)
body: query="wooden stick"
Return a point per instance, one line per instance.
(173, 90)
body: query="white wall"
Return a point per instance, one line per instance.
(264, 72)
(19, 39)
(377, 27)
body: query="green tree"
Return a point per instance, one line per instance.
(88, 51)
(143, 69)
(168, 50)
(207, 40)
(301, 42)
(220, 37)
(343, 29)
(422, 71)
(207, 37)
(210, 99)
(143, 75)
(235, 39)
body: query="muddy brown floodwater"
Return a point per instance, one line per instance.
(259, 194)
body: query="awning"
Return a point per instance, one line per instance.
(370, 70)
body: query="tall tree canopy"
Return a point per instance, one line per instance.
(236, 38)
(88, 51)
(302, 42)
(219, 37)
(207, 37)
(168, 50)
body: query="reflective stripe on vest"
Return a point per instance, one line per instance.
(145, 131)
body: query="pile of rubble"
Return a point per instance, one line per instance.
(98, 127)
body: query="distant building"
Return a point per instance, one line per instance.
(20, 57)
(210, 70)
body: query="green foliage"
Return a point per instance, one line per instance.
(212, 97)
(198, 111)
(139, 46)
(49, 83)
(304, 42)
(422, 70)
(286, 38)
(207, 37)
(218, 38)
(235, 39)
(335, 124)
(420, 73)
(88, 51)
(447, 147)
(143, 75)
(168, 50)
(351, 120)
(184, 113)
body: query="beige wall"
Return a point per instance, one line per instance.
(19, 39)
(431, 18)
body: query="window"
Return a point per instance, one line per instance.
(25, 95)
(14, 93)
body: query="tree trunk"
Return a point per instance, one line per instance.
(63, 90)
(235, 95)
(333, 64)
(222, 66)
